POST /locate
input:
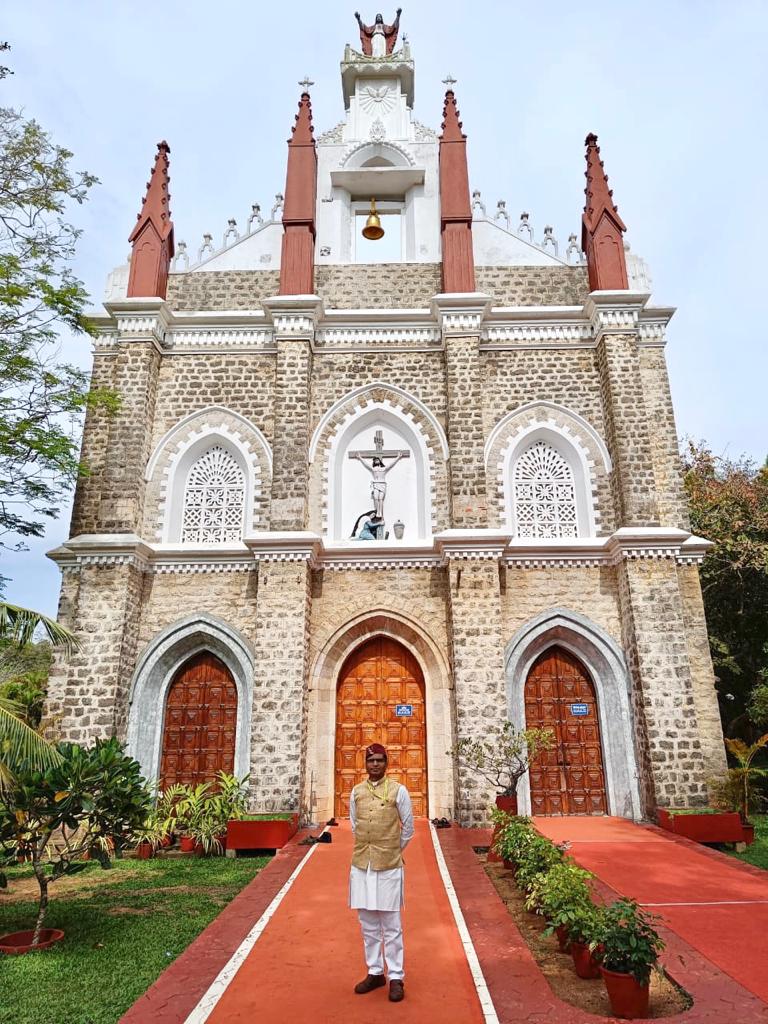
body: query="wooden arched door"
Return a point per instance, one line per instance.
(380, 699)
(569, 778)
(200, 722)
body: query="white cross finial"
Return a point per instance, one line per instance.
(305, 83)
(449, 81)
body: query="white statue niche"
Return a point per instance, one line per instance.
(379, 465)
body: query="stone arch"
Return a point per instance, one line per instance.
(359, 154)
(574, 438)
(324, 674)
(405, 412)
(155, 669)
(178, 449)
(605, 663)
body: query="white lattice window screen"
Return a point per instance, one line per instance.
(544, 493)
(214, 499)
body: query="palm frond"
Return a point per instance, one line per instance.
(18, 625)
(19, 742)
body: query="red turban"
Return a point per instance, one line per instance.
(375, 748)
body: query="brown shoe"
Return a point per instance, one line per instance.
(396, 991)
(369, 983)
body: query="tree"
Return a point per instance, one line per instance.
(729, 505)
(24, 674)
(41, 398)
(19, 741)
(92, 800)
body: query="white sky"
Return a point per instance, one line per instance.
(675, 90)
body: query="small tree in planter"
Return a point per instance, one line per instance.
(561, 892)
(583, 930)
(628, 946)
(744, 776)
(93, 799)
(503, 758)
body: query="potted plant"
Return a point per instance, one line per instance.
(536, 856)
(563, 889)
(629, 948)
(583, 929)
(262, 831)
(702, 824)
(510, 833)
(189, 809)
(92, 797)
(744, 776)
(503, 759)
(148, 838)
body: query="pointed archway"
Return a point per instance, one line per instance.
(380, 699)
(569, 778)
(200, 723)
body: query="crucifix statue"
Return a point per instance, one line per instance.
(378, 469)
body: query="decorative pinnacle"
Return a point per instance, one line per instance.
(305, 83)
(451, 125)
(156, 204)
(449, 81)
(599, 196)
(301, 133)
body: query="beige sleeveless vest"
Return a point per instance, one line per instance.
(377, 830)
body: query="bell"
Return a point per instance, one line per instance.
(373, 228)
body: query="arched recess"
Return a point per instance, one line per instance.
(574, 439)
(155, 671)
(324, 677)
(340, 488)
(603, 659)
(177, 451)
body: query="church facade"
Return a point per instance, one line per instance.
(399, 489)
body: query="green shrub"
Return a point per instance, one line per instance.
(535, 857)
(558, 892)
(626, 940)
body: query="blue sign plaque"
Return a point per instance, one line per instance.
(579, 709)
(404, 710)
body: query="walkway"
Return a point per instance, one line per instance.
(718, 906)
(287, 948)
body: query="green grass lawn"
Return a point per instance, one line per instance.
(757, 853)
(123, 927)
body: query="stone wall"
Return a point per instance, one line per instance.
(671, 765)
(221, 289)
(290, 477)
(627, 430)
(379, 286)
(665, 455)
(533, 286)
(93, 453)
(464, 388)
(591, 592)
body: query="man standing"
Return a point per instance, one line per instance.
(382, 821)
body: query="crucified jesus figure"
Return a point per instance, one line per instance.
(374, 463)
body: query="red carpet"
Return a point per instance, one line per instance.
(645, 865)
(306, 962)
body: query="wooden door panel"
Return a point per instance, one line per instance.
(385, 674)
(569, 778)
(200, 722)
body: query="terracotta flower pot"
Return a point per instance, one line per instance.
(584, 962)
(628, 998)
(187, 844)
(508, 804)
(144, 851)
(562, 937)
(21, 942)
(166, 842)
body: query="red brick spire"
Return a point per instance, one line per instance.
(455, 208)
(297, 262)
(152, 236)
(602, 227)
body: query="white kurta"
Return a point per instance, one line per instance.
(381, 890)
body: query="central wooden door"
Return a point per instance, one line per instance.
(377, 678)
(569, 778)
(200, 722)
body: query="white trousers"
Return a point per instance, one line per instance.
(383, 931)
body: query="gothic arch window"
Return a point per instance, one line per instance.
(544, 493)
(214, 499)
